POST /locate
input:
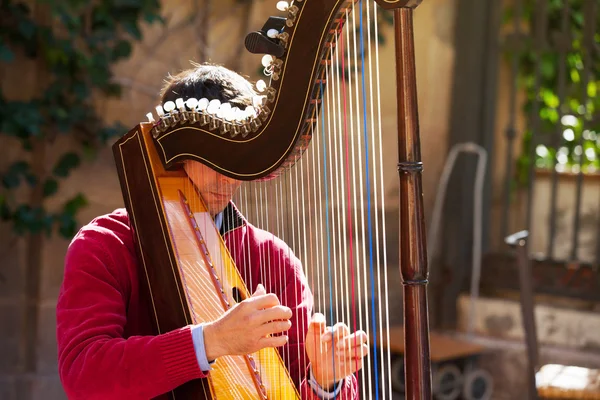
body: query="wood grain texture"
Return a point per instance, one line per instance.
(176, 276)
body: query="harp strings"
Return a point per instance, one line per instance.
(329, 208)
(193, 275)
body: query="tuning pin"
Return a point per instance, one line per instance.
(169, 106)
(283, 5)
(249, 112)
(267, 60)
(261, 86)
(159, 111)
(191, 103)
(230, 114)
(180, 104)
(150, 117)
(213, 106)
(203, 104)
(257, 101)
(224, 109)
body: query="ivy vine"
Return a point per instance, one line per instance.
(74, 44)
(568, 128)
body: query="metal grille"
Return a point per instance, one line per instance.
(553, 157)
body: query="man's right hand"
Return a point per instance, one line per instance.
(247, 327)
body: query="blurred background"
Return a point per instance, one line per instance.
(517, 80)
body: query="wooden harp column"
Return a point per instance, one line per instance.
(413, 247)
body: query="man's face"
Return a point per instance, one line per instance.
(216, 189)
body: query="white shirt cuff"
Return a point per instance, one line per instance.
(198, 339)
(322, 393)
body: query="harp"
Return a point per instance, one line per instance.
(319, 115)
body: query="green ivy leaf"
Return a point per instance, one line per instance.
(133, 29)
(27, 219)
(12, 177)
(78, 53)
(67, 226)
(50, 187)
(4, 209)
(27, 28)
(592, 89)
(121, 50)
(66, 163)
(113, 89)
(6, 55)
(73, 205)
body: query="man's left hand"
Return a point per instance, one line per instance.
(334, 352)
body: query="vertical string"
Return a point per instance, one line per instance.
(354, 168)
(348, 185)
(301, 243)
(341, 254)
(306, 262)
(368, 185)
(327, 222)
(375, 193)
(319, 240)
(340, 203)
(360, 198)
(383, 218)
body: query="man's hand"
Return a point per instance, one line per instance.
(334, 353)
(246, 327)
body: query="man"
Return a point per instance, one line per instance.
(106, 348)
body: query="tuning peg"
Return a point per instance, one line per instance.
(213, 106)
(224, 109)
(203, 104)
(231, 114)
(169, 106)
(267, 60)
(249, 112)
(283, 5)
(261, 86)
(150, 117)
(191, 103)
(159, 111)
(180, 104)
(257, 101)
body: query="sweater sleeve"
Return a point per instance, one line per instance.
(95, 360)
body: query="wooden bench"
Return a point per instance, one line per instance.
(455, 374)
(564, 382)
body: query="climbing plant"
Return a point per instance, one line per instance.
(73, 44)
(568, 125)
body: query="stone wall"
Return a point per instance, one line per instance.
(168, 50)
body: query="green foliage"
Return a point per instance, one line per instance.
(74, 44)
(567, 124)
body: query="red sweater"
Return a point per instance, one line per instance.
(106, 349)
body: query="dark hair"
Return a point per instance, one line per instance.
(211, 82)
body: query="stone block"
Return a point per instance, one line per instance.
(47, 350)
(53, 268)
(103, 196)
(11, 261)
(36, 387)
(10, 323)
(8, 389)
(501, 318)
(47, 387)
